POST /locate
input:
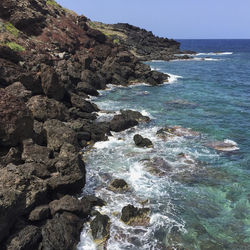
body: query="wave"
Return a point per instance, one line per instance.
(172, 78)
(199, 59)
(214, 54)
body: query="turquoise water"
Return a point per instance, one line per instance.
(203, 203)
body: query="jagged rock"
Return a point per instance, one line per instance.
(67, 150)
(16, 121)
(85, 106)
(118, 185)
(100, 228)
(40, 136)
(96, 34)
(18, 90)
(134, 115)
(13, 156)
(58, 134)
(70, 176)
(27, 238)
(93, 79)
(11, 72)
(120, 123)
(87, 88)
(35, 153)
(142, 142)
(135, 216)
(9, 54)
(40, 213)
(51, 84)
(62, 232)
(66, 203)
(20, 191)
(44, 108)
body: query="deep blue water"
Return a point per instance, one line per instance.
(202, 204)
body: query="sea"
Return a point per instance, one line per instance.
(199, 195)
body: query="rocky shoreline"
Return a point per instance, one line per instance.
(51, 62)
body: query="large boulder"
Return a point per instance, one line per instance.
(51, 85)
(100, 228)
(142, 142)
(20, 192)
(17, 89)
(134, 115)
(36, 153)
(40, 213)
(87, 88)
(135, 216)
(16, 121)
(27, 238)
(85, 106)
(120, 123)
(69, 177)
(62, 232)
(118, 185)
(44, 108)
(58, 134)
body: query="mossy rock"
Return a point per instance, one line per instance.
(11, 29)
(134, 216)
(118, 185)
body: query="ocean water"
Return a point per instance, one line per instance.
(202, 200)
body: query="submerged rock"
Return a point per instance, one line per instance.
(40, 213)
(157, 166)
(100, 228)
(176, 131)
(224, 146)
(135, 216)
(118, 185)
(142, 142)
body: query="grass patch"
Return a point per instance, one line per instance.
(11, 28)
(53, 3)
(116, 41)
(14, 46)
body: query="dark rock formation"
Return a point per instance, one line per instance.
(135, 216)
(118, 185)
(142, 142)
(100, 228)
(50, 61)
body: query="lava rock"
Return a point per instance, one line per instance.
(16, 121)
(40, 213)
(118, 185)
(100, 228)
(135, 216)
(44, 108)
(142, 142)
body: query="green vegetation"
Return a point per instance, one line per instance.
(116, 41)
(14, 46)
(53, 3)
(11, 28)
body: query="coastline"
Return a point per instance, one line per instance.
(46, 120)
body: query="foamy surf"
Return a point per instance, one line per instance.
(214, 54)
(172, 78)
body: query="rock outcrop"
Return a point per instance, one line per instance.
(51, 60)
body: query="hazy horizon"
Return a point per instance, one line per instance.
(226, 19)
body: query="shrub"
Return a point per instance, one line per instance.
(11, 28)
(14, 46)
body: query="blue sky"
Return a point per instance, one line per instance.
(172, 18)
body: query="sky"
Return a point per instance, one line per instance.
(178, 19)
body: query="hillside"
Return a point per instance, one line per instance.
(140, 42)
(51, 62)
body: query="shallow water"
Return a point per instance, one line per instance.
(201, 202)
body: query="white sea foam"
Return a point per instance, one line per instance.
(172, 78)
(215, 54)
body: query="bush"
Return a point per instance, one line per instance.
(11, 28)
(14, 46)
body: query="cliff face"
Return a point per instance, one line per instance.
(140, 42)
(51, 60)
